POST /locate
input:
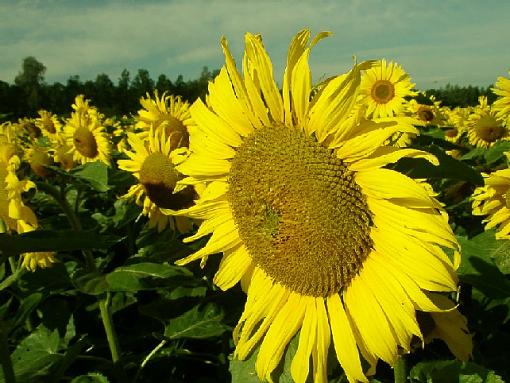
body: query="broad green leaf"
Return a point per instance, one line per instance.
(199, 322)
(448, 168)
(93, 173)
(452, 371)
(132, 278)
(125, 214)
(92, 283)
(48, 240)
(36, 355)
(497, 152)
(474, 153)
(478, 267)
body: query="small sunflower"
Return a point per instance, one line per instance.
(62, 153)
(14, 213)
(493, 200)
(455, 124)
(326, 242)
(35, 260)
(152, 163)
(85, 136)
(502, 105)
(168, 112)
(384, 88)
(38, 157)
(48, 123)
(484, 128)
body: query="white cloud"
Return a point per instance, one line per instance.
(182, 36)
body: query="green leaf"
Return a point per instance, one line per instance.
(474, 153)
(48, 240)
(199, 323)
(244, 370)
(478, 267)
(27, 306)
(448, 168)
(131, 278)
(93, 173)
(496, 152)
(36, 355)
(452, 371)
(91, 377)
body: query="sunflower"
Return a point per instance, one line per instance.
(48, 123)
(493, 200)
(484, 128)
(13, 212)
(84, 134)
(33, 261)
(502, 105)
(455, 123)
(38, 157)
(152, 162)
(325, 241)
(170, 113)
(384, 88)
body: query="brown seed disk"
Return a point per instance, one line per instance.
(85, 142)
(159, 177)
(490, 133)
(451, 132)
(425, 114)
(383, 91)
(177, 131)
(299, 211)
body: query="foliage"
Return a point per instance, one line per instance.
(116, 308)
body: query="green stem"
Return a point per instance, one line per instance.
(400, 370)
(73, 219)
(5, 357)
(111, 336)
(12, 263)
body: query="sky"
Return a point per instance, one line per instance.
(437, 42)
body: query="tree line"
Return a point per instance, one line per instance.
(30, 93)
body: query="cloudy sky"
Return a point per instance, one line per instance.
(437, 41)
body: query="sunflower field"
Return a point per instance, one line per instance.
(279, 230)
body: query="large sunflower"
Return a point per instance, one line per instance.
(384, 88)
(324, 240)
(152, 163)
(84, 134)
(502, 105)
(493, 200)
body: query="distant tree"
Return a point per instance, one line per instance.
(142, 83)
(74, 87)
(30, 79)
(164, 84)
(104, 93)
(124, 100)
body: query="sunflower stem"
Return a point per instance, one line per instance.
(111, 335)
(400, 370)
(12, 264)
(74, 221)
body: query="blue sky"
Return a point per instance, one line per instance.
(437, 42)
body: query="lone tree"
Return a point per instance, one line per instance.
(30, 80)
